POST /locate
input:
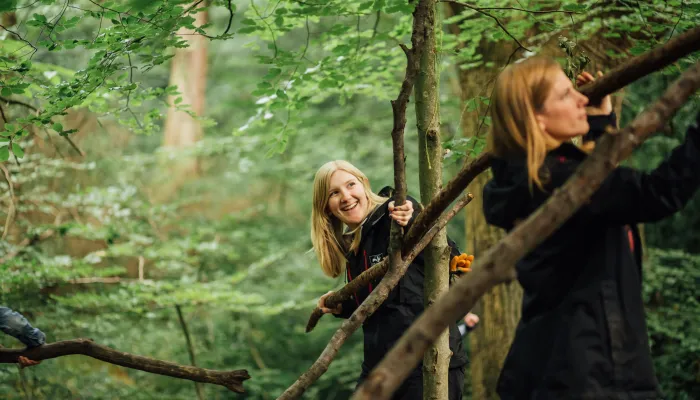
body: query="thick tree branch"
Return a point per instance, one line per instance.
(643, 65)
(233, 380)
(367, 308)
(497, 266)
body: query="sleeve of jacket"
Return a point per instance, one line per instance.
(14, 324)
(598, 124)
(629, 196)
(349, 307)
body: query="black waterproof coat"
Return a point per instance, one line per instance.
(405, 302)
(582, 334)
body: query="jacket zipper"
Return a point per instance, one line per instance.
(365, 254)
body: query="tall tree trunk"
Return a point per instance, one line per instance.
(499, 308)
(437, 358)
(188, 72)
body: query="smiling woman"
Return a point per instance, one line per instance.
(350, 232)
(347, 199)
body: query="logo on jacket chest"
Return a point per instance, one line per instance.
(374, 259)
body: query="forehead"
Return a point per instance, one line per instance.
(340, 177)
(560, 81)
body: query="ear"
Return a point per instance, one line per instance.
(541, 122)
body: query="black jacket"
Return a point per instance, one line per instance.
(404, 303)
(582, 334)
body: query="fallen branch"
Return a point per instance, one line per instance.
(497, 265)
(367, 308)
(233, 380)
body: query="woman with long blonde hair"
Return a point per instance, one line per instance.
(350, 227)
(582, 333)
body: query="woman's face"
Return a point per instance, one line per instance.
(563, 115)
(347, 199)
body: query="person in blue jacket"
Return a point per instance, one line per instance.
(15, 325)
(582, 333)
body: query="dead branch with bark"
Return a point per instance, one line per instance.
(233, 380)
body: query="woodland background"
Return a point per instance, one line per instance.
(126, 220)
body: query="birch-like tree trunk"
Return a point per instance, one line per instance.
(188, 72)
(437, 359)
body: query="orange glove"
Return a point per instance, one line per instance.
(461, 263)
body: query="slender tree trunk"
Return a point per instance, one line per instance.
(437, 359)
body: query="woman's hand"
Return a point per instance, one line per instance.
(326, 310)
(605, 107)
(401, 214)
(471, 320)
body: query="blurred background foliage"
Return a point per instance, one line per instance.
(104, 233)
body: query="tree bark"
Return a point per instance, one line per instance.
(188, 71)
(437, 359)
(497, 266)
(233, 380)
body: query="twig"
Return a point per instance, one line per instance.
(230, 17)
(481, 11)
(2, 113)
(233, 380)
(509, 8)
(190, 348)
(19, 103)
(12, 208)
(20, 38)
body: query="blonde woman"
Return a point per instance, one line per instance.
(350, 227)
(582, 334)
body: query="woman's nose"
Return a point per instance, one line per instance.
(584, 100)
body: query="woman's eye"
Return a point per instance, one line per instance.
(351, 184)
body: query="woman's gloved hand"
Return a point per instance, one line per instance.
(461, 263)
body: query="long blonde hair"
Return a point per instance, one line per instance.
(520, 91)
(326, 229)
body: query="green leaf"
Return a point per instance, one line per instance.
(4, 154)
(40, 18)
(7, 5)
(248, 29)
(6, 91)
(273, 73)
(17, 150)
(58, 127)
(327, 84)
